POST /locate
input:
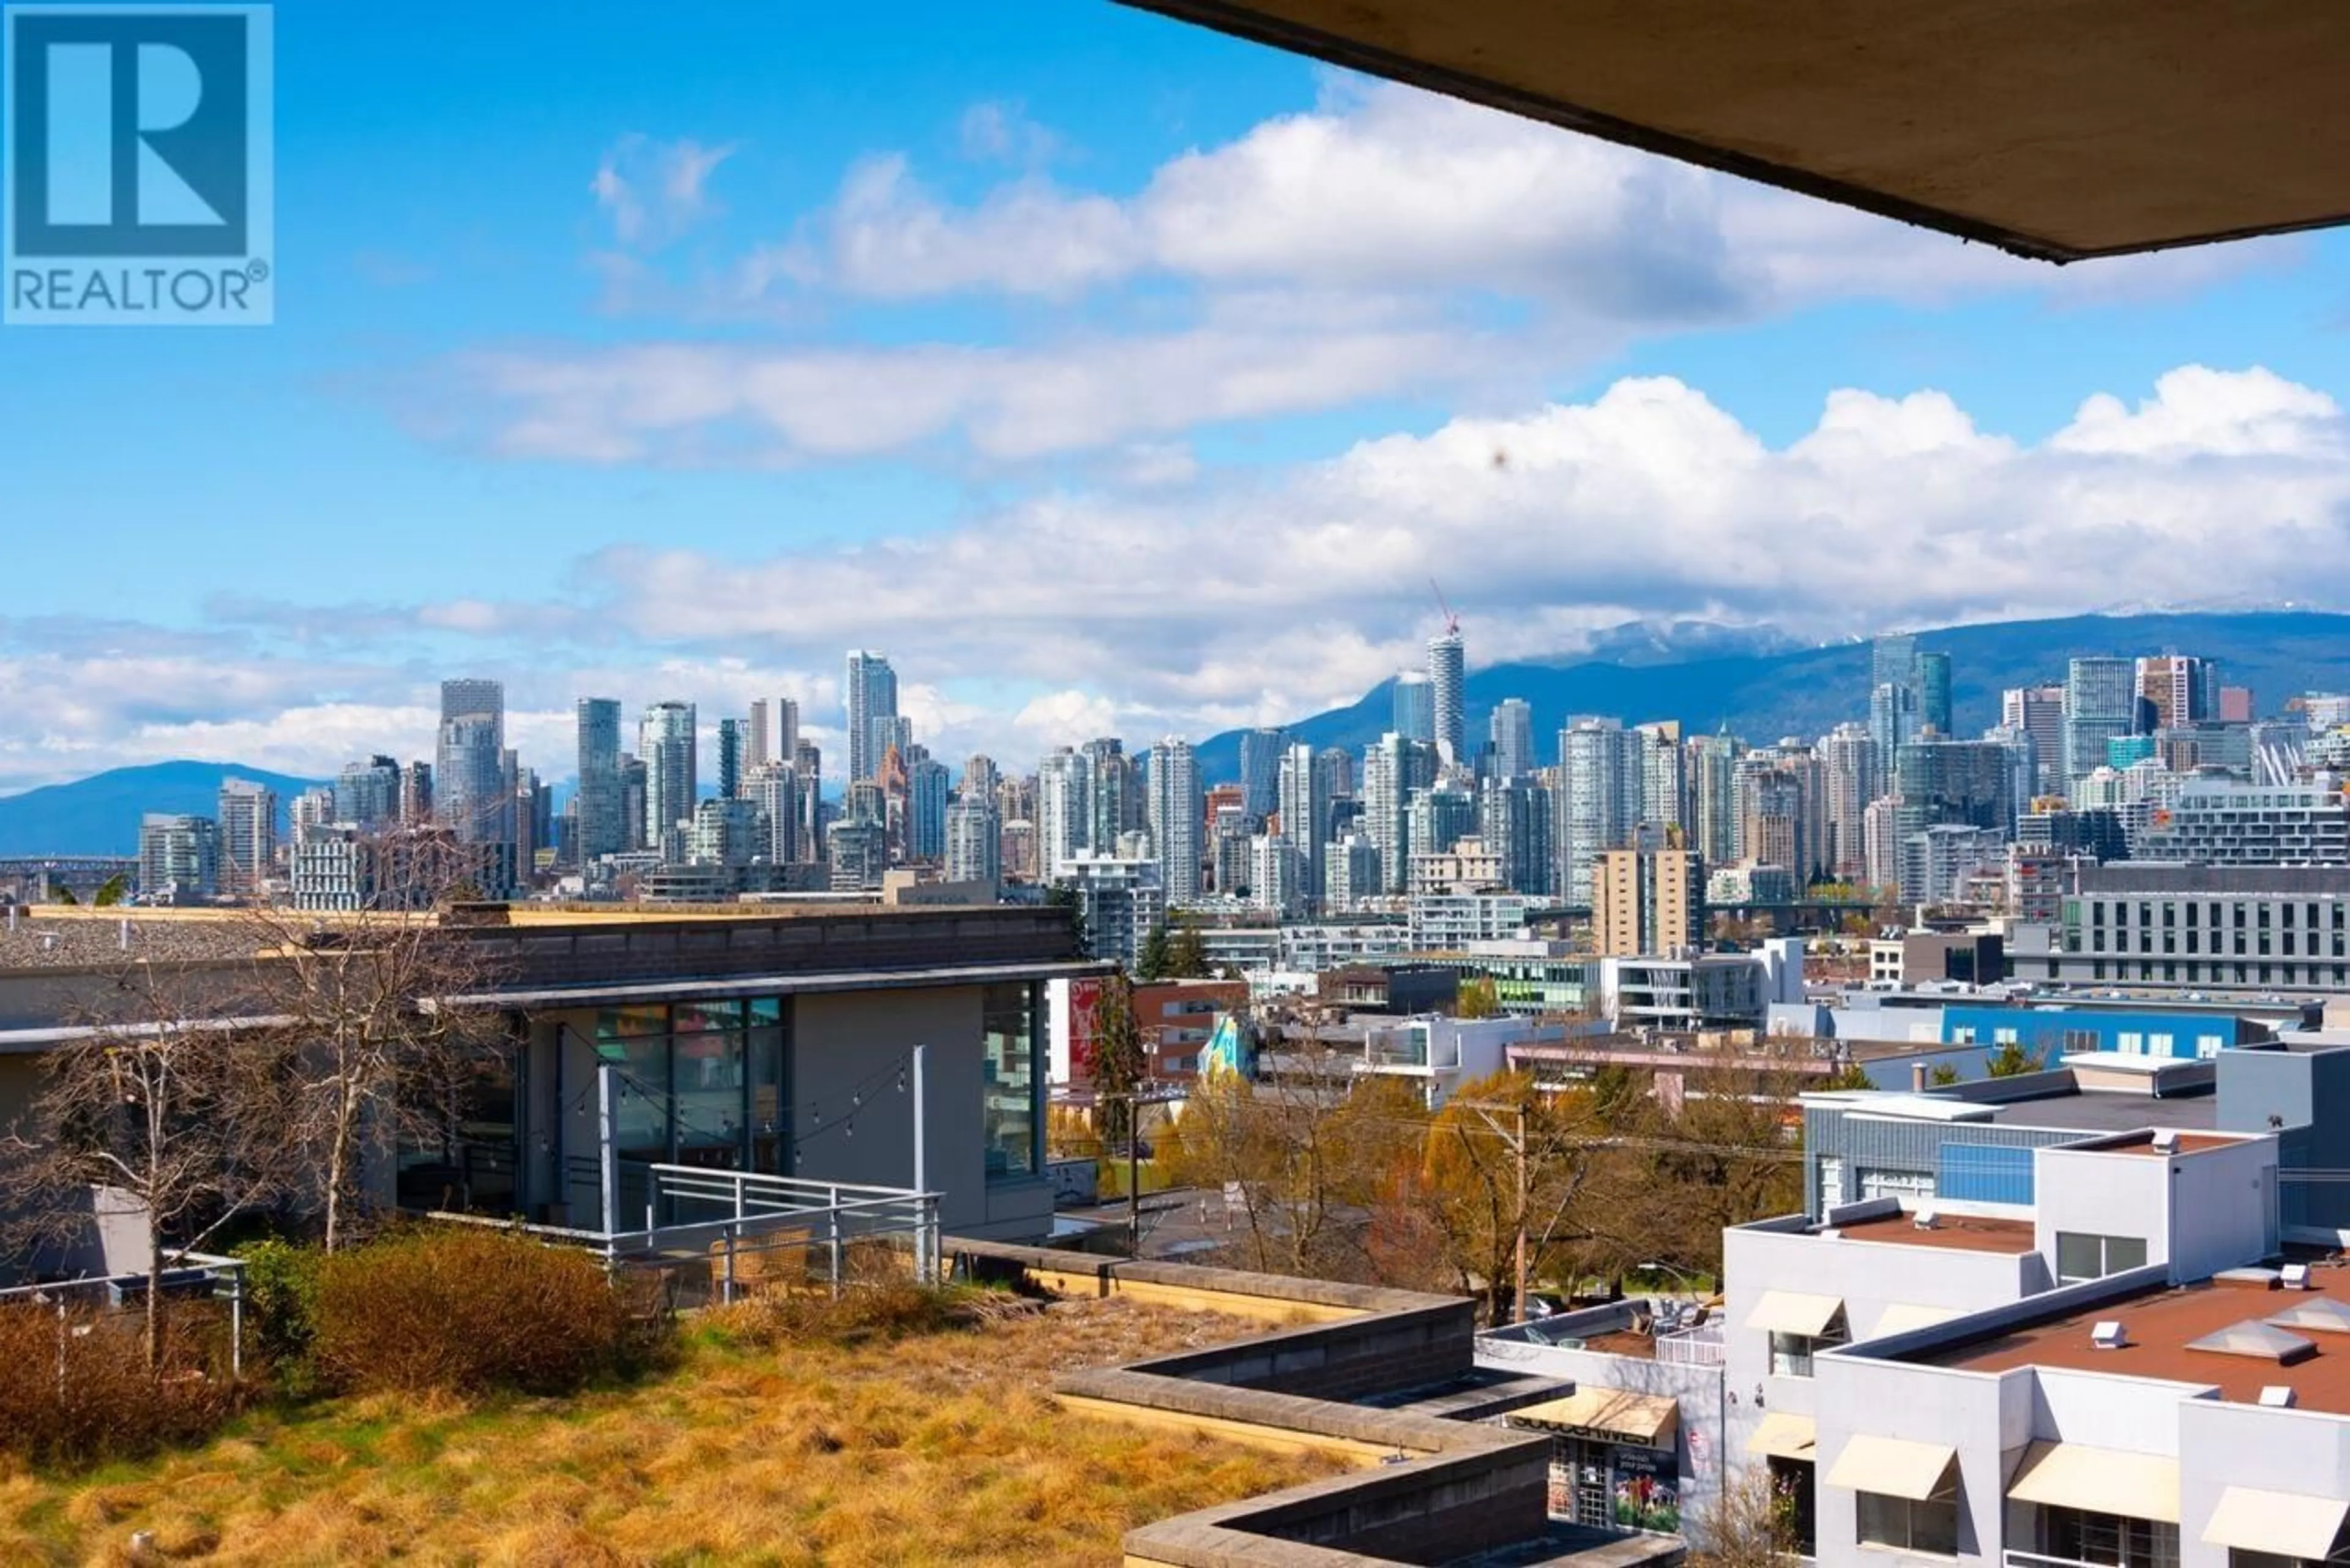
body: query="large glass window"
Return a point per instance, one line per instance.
(711, 1083)
(636, 1040)
(1009, 1102)
(1931, 1526)
(770, 1096)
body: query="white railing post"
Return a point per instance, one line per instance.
(834, 1213)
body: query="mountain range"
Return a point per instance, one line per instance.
(99, 815)
(1757, 684)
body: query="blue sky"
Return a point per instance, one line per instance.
(1109, 374)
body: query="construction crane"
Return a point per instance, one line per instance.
(1451, 621)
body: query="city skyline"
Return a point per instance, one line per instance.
(730, 361)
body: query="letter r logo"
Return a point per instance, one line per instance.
(129, 134)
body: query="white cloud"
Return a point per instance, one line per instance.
(1208, 605)
(1199, 606)
(1388, 243)
(1000, 132)
(650, 191)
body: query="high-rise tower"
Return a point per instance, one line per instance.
(1447, 679)
(602, 830)
(870, 693)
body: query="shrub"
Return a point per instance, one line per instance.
(281, 1297)
(75, 1389)
(464, 1311)
(881, 1309)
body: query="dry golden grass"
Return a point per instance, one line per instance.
(940, 1449)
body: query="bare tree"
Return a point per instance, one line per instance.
(155, 1108)
(1749, 1525)
(373, 1050)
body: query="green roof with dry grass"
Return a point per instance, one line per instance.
(909, 1443)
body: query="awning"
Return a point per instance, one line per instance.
(1785, 1437)
(2286, 1523)
(1792, 1312)
(1648, 1419)
(1901, 1317)
(1893, 1467)
(2098, 1480)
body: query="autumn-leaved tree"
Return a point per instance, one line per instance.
(1301, 1157)
(1503, 1156)
(1477, 998)
(152, 1111)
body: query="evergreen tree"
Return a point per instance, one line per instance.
(1118, 1060)
(1187, 957)
(1152, 963)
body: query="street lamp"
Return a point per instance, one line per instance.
(1655, 1267)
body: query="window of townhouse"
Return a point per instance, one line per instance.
(1927, 1525)
(2082, 1257)
(2108, 1539)
(1791, 1353)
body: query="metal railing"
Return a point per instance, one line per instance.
(760, 1230)
(2120, 1560)
(201, 1276)
(1705, 1345)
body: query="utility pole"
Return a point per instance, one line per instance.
(1516, 1135)
(1521, 1146)
(1135, 1099)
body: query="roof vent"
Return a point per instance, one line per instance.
(1925, 1219)
(2165, 1141)
(2107, 1334)
(2277, 1397)
(2296, 1276)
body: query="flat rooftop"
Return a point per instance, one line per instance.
(2063, 1110)
(2161, 1325)
(2144, 1146)
(1951, 1232)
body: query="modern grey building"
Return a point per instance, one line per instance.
(602, 830)
(869, 694)
(1415, 707)
(1597, 801)
(2222, 822)
(1261, 755)
(179, 856)
(2100, 705)
(1304, 809)
(2208, 928)
(1511, 732)
(1177, 817)
(974, 842)
(666, 746)
(249, 835)
(1447, 680)
(470, 790)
